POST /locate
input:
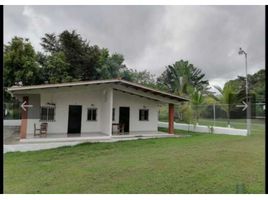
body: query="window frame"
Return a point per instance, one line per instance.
(92, 120)
(144, 115)
(47, 113)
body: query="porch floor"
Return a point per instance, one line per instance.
(92, 137)
(53, 141)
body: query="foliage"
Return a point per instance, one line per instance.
(87, 62)
(78, 54)
(142, 77)
(110, 66)
(255, 82)
(55, 69)
(197, 99)
(181, 78)
(227, 99)
(20, 63)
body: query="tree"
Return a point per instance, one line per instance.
(181, 78)
(55, 69)
(197, 99)
(227, 99)
(109, 67)
(50, 43)
(141, 77)
(20, 63)
(256, 84)
(87, 62)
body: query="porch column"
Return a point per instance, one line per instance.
(24, 119)
(171, 118)
(107, 111)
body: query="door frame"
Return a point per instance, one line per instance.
(80, 124)
(128, 116)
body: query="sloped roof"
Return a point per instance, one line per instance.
(98, 82)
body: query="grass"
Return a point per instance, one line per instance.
(203, 163)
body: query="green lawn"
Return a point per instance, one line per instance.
(203, 163)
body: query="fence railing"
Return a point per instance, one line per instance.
(222, 115)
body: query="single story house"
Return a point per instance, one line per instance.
(92, 107)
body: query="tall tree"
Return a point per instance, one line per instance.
(181, 78)
(197, 99)
(256, 83)
(55, 69)
(109, 66)
(227, 99)
(87, 62)
(20, 63)
(50, 43)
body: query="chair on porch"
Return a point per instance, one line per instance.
(122, 129)
(42, 130)
(119, 128)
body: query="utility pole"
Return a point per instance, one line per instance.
(247, 93)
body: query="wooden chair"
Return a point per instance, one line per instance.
(42, 130)
(36, 129)
(115, 131)
(122, 129)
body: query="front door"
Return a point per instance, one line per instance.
(124, 117)
(74, 119)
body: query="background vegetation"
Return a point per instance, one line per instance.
(68, 57)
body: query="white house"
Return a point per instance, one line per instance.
(92, 107)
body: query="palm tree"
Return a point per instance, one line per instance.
(182, 77)
(197, 99)
(226, 99)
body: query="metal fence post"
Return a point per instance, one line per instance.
(214, 114)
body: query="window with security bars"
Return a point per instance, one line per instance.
(92, 114)
(144, 115)
(47, 113)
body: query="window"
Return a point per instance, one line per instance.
(47, 113)
(92, 114)
(113, 114)
(144, 115)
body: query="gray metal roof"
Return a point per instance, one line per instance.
(98, 82)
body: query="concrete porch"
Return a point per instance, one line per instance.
(93, 137)
(35, 144)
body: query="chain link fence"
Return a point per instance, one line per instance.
(221, 115)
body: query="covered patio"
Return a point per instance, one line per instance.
(92, 110)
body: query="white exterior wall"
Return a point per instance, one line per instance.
(104, 98)
(135, 103)
(63, 97)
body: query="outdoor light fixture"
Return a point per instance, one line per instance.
(241, 51)
(92, 105)
(51, 104)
